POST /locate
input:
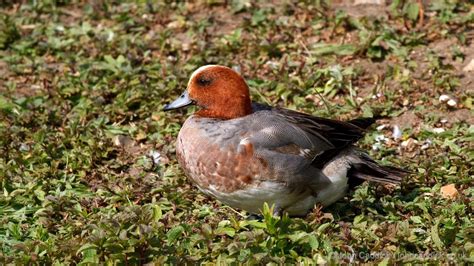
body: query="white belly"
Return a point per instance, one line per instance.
(252, 199)
(274, 193)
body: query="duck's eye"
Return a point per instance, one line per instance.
(204, 81)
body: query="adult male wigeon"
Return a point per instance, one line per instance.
(245, 154)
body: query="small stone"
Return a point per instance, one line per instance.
(369, 2)
(409, 144)
(469, 67)
(272, 64)
(59, 28)
(24, 147)
(377, 95)
(426, 145)
(186, 46)
(449, 191)
(438, 130)
(122, 141)
(380, 138)
(237, 69)
(110, 36)
(444, 98)
(396, 133)
(175, 24)
(452, 103)
(155, 156)
(379, 128)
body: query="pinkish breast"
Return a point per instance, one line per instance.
(210, 161)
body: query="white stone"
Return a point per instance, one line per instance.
(444, 98)
(369, 2)
(469, 67)
(452, 103)
(426, 145)
(155, 156)
(379, 128)
(396, 133)
(237, 69)
(380, 138)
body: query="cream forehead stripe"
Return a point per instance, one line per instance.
(197, 71)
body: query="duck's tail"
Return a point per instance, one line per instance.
(364, 122)
(365, 168)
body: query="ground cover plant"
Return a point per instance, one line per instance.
(88, 172)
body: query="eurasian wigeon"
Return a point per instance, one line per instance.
(245, 154)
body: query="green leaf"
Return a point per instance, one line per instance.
(89, 257)
(174, 233)
(313, 242)
(384, 262)
(412, 11)
(297, 236)
(86, 247)
(367, 111)
(40, 194)
(416, 219)
(114, 247)
(435, 235)
(225, 230)
(157, 213)
(337, 49)
(6, 104)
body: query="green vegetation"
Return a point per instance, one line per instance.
(87, 165)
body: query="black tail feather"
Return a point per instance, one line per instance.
(363, 122)
(369, 170)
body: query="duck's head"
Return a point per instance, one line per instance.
(219, 91)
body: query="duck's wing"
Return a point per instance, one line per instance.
(284, 151)
(342, 135)
(316, 138)
(293, 143)
(298, 148)
(338, 133)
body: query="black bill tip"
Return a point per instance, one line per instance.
(181, 101)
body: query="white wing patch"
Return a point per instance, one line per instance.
(244, 141)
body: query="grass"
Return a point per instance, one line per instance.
(88, 172)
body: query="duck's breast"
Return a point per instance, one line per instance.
(208, 150)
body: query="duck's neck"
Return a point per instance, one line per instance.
(228, 110)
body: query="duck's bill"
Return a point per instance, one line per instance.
(182, 101)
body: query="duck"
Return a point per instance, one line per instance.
(246, 154)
